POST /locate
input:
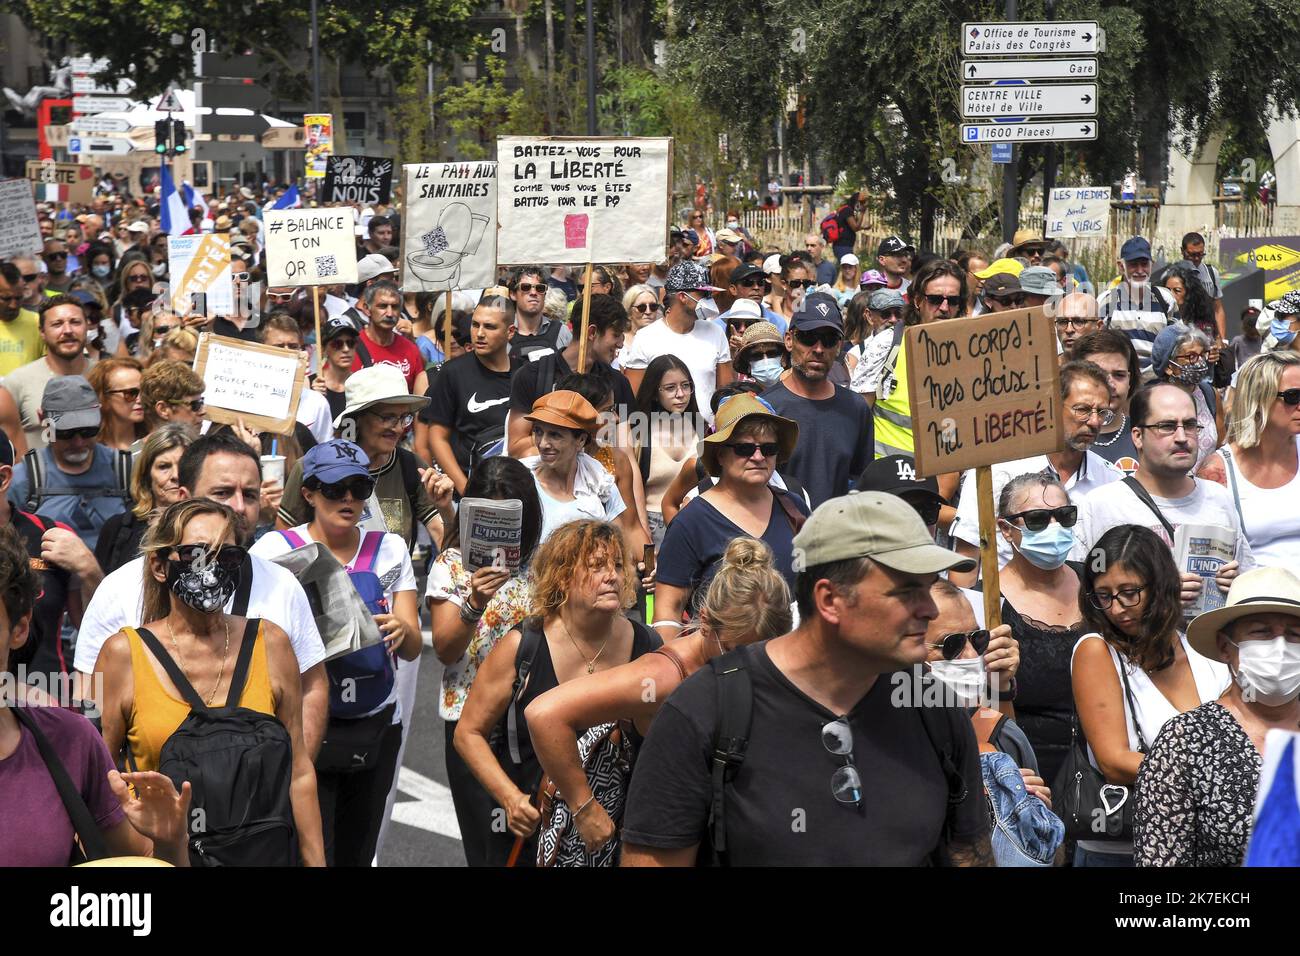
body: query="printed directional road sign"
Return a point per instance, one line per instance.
(1028, 38)
(100, 104)
(1029, 100)
(1059, 69)
(98, 124)
(976, 133)
(105, 146)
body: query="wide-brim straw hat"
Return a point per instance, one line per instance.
(741, 409)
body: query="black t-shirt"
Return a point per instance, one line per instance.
(836, 439)
(779, 809)
(224, 326)
(526, 388)
(42, 653)
(472, 401)
(337, 400)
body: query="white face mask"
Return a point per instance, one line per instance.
(766, 371)
(964, 678)
(1268, 671)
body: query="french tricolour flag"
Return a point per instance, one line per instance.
(194, 200)
(175, 212)
(289, 199)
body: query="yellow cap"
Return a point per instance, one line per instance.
(1009, 266)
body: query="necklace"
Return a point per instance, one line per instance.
(221, 672)
(1119, 431)
(591, 664)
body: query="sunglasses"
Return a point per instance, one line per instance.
(826, 338)
(195, 405)
(87, 433)
(229, 558)
(647, 307)
(740, 325)
(162, 329)
(239, 276)
(54, 255)
(801, 283)
(342, 342)
(1291, 396)
(757, 354)
(356, 486)
(1036, 519)
(138, 278)
(953, 644)
(1008, 299)
(532, 287)
(757, 283)
(846, 784)
(746, 449)
(928, 509)
(954, 301)
(31, 278)
(130, 394)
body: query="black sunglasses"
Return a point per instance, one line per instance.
(1291, 396)
(195, 405)
(87, 432)
(130, 394)
(954, 301)
(826, 338)
(531, 287)
(740, 325)
(952, 644)
(800, 283)
(754, 282)
(31, 278)
(360, 488)
(1036, 519)
(746, 449)
(54, 255)
(229, 557)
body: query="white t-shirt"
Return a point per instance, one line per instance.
(392, 566)
(1094, 472)
(314, 412)
(595, 495)
(1116, 504)
(866, 374)
(703, 349)
(276, 595)
(1271, 518)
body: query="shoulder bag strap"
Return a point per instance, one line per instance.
(1128, 696)
(673, 656)
(35, 478)
(643, 462)
(36, 520)
(1232, 483)
(173, 671)
(1145, 497)
(987, 723)
(293, 537)
(546, 372)
(363, 353)
(731, 739)
(369, 551)
(122, 468)
(245, 589)
(92, 840)
(240, 675)
(792, 514)
(530, 639)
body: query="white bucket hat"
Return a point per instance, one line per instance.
(377, 385)
(1260, 591)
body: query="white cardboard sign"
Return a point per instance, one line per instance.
(19, 232)
(310, 247)
(449, 230)
(201, 265)
(1078, 212)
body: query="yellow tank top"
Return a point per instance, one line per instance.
(156, 714)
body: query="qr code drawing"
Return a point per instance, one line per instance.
(435, 241)
(326, 266)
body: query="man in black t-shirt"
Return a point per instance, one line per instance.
(841, 763)
(469, 397)
(606, 326)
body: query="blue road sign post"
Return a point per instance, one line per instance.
(1001, 152)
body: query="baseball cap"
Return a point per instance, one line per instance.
(883, 299)
(728, 235)
(1135, 248)
(896, 475)
(1039, 280)
(689, 276)
(1289, 304)
(873, 277)
(872, 524)
(69, 402)
(691, 235)
(743, 272)
(848, 259)
(892, 246)
(772, 264)
(336, 326)
(373, 265)
(335, 460)
(1002, 284)
(139, 226)
(1000, 266)
(818, 311)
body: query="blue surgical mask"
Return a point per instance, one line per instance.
(766, 371)
(1280, 329)
(1046, 549)
(101, 272)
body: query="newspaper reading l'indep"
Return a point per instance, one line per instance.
(1202, 549)
(491, 533)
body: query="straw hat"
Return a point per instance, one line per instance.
(742, 408)
(1261, 591)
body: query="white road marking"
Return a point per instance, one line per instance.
(431, 810)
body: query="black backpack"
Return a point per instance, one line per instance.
(239, 763)
(37, 492)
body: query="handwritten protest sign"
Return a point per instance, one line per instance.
(61, 182)
(1078, 212)
(983, 390)
(320, 143)
(200, 266)
(570, 199)
(310, 247)
(449, 230)
(359, 179)
(257, 384)
(19, 232)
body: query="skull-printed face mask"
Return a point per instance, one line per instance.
(202, 579)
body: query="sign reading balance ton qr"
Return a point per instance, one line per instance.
(449, 230)
(983, 390)
(310, 247)
(570, 199)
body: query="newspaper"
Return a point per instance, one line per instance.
(491, 533)
(1202, 549)
(344, 621)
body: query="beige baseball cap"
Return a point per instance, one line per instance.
(872, 524)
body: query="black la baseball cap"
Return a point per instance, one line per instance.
(896, 475)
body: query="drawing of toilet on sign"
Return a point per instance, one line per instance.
(449, 230)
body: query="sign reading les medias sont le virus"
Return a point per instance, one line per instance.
(983, 390)
(310, 247)
(569, 199)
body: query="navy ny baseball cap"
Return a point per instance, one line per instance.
(335, 460)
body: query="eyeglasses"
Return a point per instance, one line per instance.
(1008, 299)
(682, 387)
(194, 405)
(71, 433)
(1188, 359)
(1291, 396)
(894, 314)
(239, 276)
(356, 486)
(953, 644)
(1191, 426)
(926, 507)
(130, 394)
(800, 283)
(280, 296)
(342, 342)
(1083, 413)
(138, 277)
(162, 329)
(532, 287)
(391, 421)
(1071, 322)
(954, 301)
(647, 307)
(54, 255)
(846, 784)
(746, 449)
(1036, 519)
(754, 282)
(1127, 597)
(826, 338)
(229, 558)
(769, 353)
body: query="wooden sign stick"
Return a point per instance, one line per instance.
(320, 343)
(988, 547)
(586, 318)
(446, 330)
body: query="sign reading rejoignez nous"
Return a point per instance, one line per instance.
(983, 390)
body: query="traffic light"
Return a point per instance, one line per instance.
(161, 136)
(178, 137)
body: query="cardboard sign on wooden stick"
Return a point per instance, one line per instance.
(310, 247)
(257, 384)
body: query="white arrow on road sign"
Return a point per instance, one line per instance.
(100, 104)
(1029, 100)
(1033, 39)
(973, 134)
(1029, 69)
(99, 124)
(169, 102)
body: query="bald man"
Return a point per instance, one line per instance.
(1076, 316)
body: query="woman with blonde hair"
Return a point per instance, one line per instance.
(178, 345)
(747, 601)
(642, 306)
(192, 567)
(155, 484)
(581, 585)
(117, 383)
(1260, 463)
